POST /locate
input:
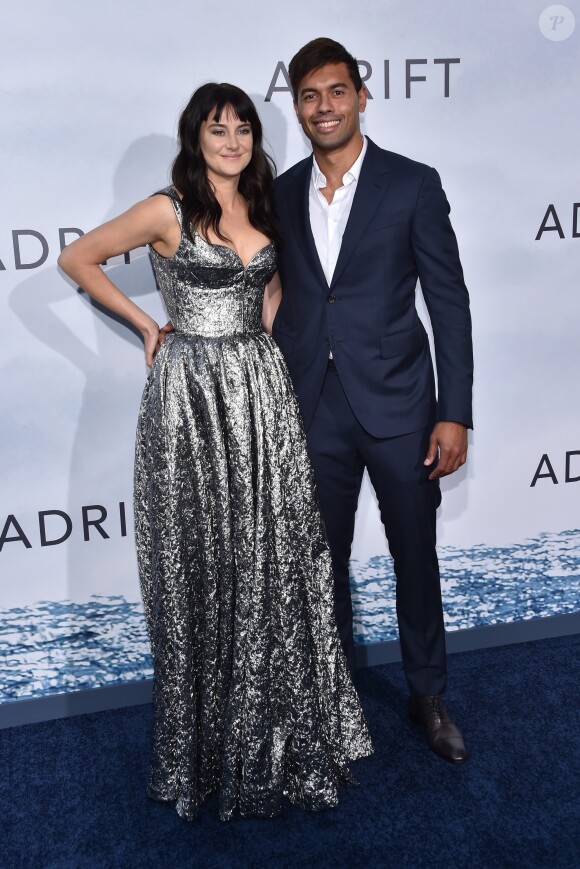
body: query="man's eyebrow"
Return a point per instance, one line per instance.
(337, 84)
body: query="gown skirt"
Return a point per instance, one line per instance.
(252, 695)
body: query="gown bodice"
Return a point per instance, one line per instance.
(207, 290)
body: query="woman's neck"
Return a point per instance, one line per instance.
(226, 192)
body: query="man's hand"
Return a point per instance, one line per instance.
(449, 439)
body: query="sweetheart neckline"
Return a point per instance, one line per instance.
(235, 253)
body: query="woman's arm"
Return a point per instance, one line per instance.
(272, 299)
(152, 221)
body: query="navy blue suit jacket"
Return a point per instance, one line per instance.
(398, 231)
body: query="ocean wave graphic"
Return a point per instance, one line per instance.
(482, 585)
(58, 646)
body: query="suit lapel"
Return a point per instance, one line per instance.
(372, 185)
(302, 225)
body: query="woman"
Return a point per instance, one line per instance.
(251, 691)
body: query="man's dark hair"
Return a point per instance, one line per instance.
(317, 54)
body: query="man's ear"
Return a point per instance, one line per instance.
(362, 99)
(295, 104)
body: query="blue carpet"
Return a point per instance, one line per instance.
(72, 792)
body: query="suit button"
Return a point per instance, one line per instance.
(331, 298)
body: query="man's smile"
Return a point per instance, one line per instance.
(326, 124)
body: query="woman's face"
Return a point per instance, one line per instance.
(226, 144)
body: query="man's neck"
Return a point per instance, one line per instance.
(335, 164)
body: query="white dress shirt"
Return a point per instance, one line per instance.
(328, 221)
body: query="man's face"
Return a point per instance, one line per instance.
(328, 107)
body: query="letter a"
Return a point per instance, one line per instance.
(549, 471)
(551, 212)
(274, 88)
(20, 535)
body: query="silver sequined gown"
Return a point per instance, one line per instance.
(252, 696)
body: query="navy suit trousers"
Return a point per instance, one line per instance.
(340, 449)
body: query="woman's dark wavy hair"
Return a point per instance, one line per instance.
(189, 174)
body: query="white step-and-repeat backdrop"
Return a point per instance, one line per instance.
(89, 98)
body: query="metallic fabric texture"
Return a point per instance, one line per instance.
(252, 696)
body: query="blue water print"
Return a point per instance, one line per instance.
(58, 646)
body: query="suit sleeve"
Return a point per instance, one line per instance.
(441, 275)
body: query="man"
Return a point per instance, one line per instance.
(359, 226)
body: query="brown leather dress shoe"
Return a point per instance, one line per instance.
(443, 737)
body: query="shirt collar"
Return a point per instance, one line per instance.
(350, 176)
